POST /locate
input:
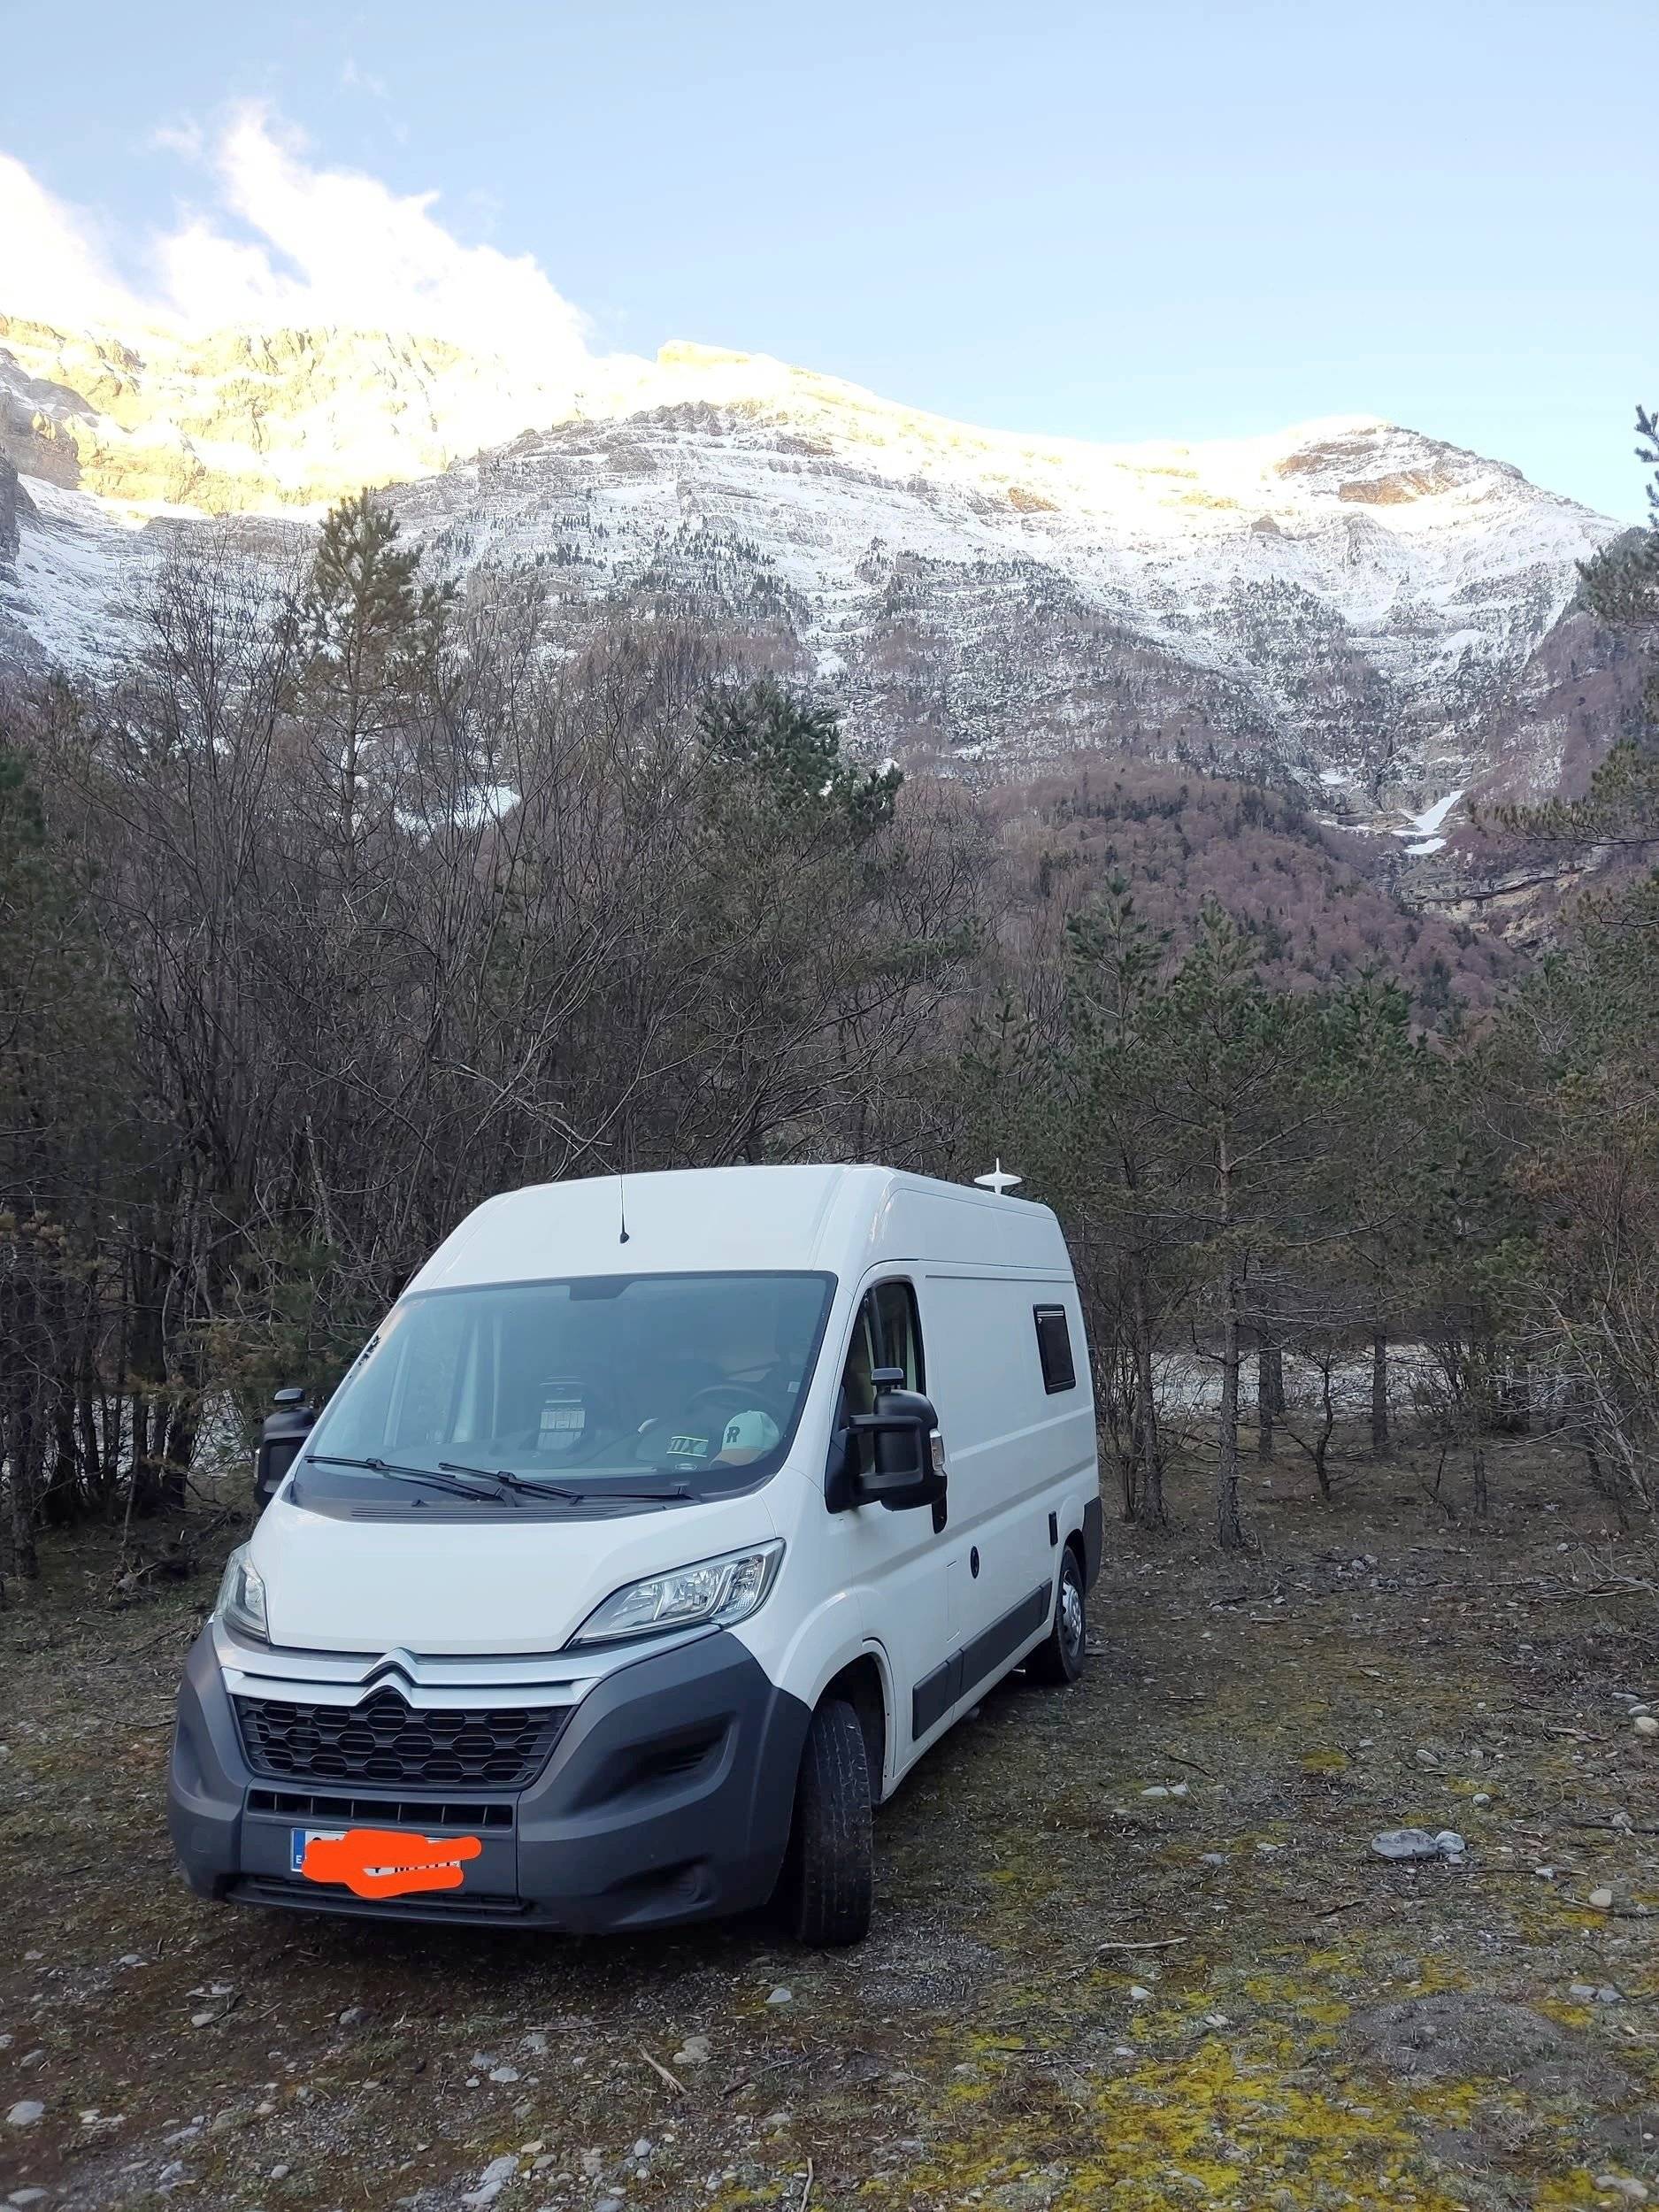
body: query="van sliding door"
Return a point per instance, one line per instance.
(1004, 1456)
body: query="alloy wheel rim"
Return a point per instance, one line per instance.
(1070, 1614)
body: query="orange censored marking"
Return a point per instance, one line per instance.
(389, 1862)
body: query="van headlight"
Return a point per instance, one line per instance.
(240, 1600)
(711, 1593)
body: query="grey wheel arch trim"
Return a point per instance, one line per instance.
(1093, 1540)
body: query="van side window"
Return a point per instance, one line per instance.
(899, 1335)
(858, 1389)
(1053, 1349)
(887, 1334)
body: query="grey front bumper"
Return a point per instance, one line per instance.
(668, 1797)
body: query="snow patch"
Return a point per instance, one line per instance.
(1425, 825)
(1430, 817)
(471, 810)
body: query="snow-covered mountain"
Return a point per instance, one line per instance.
(1386, 616)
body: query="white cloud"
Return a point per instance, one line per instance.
(52, 262)
(283, 241)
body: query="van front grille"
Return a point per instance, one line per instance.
(387, 1739)
(382, 1812)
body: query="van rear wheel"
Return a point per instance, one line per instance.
(829, 1883)
(1059, 1658)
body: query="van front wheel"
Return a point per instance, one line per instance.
(830, 1874)
(1060, 1657)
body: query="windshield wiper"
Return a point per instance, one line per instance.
(676, 1496)
(444, 1476)
(429, 1475)
(601, 1491)
(509, 1481)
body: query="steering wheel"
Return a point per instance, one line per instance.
(739, 1397)
(733, 1397)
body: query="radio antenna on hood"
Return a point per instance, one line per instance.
(622, 1209)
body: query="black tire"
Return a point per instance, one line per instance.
(1059, 1657)
(829, 1886)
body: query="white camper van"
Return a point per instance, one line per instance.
(659, 1531)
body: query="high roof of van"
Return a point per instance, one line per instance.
(697, 1220)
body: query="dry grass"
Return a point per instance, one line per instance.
(1327, 2032)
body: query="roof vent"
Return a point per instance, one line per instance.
(998, 1181)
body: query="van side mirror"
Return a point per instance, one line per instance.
(904, 1474)
(280, 1440)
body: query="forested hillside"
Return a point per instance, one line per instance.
(1320, 900)
(345, 905)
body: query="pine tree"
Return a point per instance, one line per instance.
(1376, 1073)
(373, 632)
(1112, 1165)
(782, 750)
(1240, 1072)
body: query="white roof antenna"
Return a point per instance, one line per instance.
(997, 1181)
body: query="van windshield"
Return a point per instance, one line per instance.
(593, 1382)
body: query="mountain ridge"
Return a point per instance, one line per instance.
(1354, 605)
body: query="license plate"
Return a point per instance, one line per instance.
(300, 1837)
(380, 1861)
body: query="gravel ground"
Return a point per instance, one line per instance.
(1132, 1947)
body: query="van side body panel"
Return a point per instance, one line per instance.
(1015, 1453)
(1008, 1451)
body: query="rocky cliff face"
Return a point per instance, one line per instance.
(15, 503)
(18, 650)
(1382, 618)
(248, 421)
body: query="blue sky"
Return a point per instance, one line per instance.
(1112, 222)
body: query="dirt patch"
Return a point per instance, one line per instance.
(1456, 2035)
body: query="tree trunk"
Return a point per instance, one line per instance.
(1149, 1501)
(21, 1444)
(1120, 1423)
(1327, 1407)
(63, 1493)
(146, 1475)
(183, 1422)
(19, 1449)
(177, 1442)
(1229, 1527)
(1380, 1391)
(1264, 1400)
(92, 1451)
(1517, 1399)
(1275, 1363)
(147, 1373)
(1128, 1457)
